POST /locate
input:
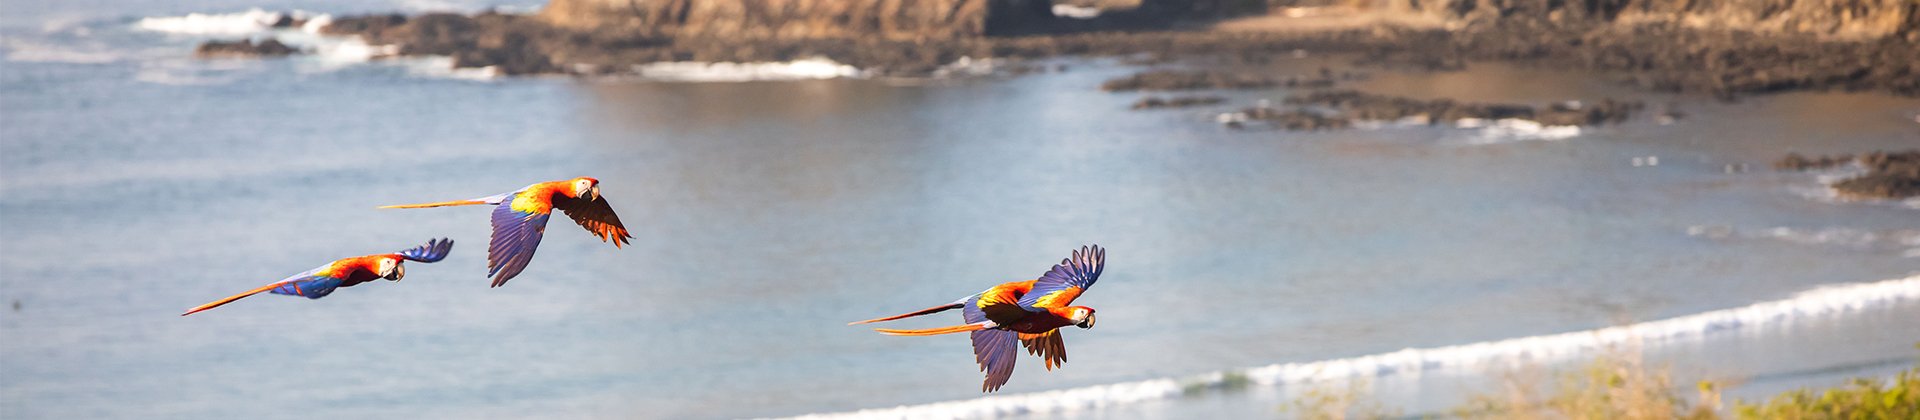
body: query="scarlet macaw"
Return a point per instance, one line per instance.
(1032, 311)
(520, 218)
(345, 272)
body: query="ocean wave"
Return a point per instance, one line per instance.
(38, 52)
(1509, 130)
(250, 22)
(1834, 236)
(1825, 301)
(324, 53)
(804, 69)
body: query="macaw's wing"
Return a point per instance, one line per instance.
(1049, 346)
(307, 282)
(1000, 304)
(595, 215)
(994, 350)
(434, 251)
(310, 287)
(515, 235)
(1066, 281)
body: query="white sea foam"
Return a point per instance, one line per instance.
(1826, 301)
(252, 21)
(1513, 129)
(1075, 12)
(804, 69)
(325, 53)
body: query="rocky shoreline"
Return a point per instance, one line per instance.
(1656, 55)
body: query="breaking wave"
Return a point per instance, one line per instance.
(1508, 130)
(301, 30)
(252, 21)
(1825, 301)
(804, 69)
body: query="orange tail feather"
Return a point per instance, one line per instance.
(931, 310)
(230, 299)
(439, 204)
(936, 331)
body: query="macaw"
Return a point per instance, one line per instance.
(520, 219)
(1031, 311)
(345, 272)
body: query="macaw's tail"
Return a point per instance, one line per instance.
(936, 309)
(230, 299)
(977, 326)
(439, 204)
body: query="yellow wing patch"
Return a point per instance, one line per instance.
(1060, 299)
(537, 200)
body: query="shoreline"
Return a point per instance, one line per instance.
(1655, 56)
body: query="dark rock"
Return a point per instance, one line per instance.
(1796, 162)
(1187, 80)
(1890, 175)
(244, 48)
(1155, 102)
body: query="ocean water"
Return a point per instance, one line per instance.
(1426, 262)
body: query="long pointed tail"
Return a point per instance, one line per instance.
(932, 310)
(439, 204)
(977, 326)
(230, 299)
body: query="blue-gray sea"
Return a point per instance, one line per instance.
(136, 182)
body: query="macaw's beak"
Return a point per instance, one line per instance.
(1087, 323)
(593, 193)
(398, 272)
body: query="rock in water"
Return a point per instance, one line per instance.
(244, 48)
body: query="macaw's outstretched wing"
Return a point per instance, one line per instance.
(993, 349)
(310, 287)
(515, 235)
(595, 215)
(1049, 346)
(434, 251)
(1066, 281)
(307, 284)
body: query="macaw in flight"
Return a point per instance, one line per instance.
(1031, 311)
(520, 219)
(345, 272)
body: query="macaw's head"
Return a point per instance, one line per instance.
(1082, 316)
(586, 187)
(389, 267)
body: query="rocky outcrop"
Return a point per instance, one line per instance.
(1155, 102)
(1332, 110)
(1888, 175)
(1845, 19)
(802, 19)
(245, 48)
(1366, 106)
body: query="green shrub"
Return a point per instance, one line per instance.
(1863, 399)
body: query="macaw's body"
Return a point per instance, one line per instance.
(1031, 312)
(520, 220)
(345, 272)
